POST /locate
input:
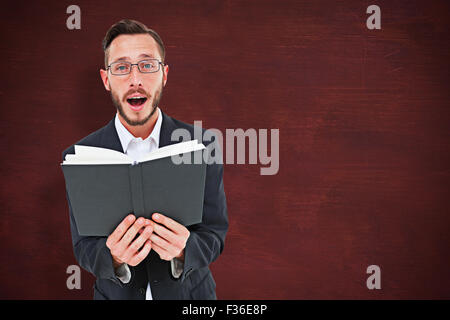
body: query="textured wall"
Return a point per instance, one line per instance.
(364, 139)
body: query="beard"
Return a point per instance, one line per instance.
(120, 108)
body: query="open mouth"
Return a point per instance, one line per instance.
(136, 101)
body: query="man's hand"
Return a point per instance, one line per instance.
(123, 248)
(169, 237)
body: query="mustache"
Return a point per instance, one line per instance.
(140, 90)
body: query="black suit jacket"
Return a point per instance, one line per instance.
(204, 245)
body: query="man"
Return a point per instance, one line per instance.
(154, 258)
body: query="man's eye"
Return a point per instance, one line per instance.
(121, 68)
(148, 66)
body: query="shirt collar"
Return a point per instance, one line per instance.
(126, 137)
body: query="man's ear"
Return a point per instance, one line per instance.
(166, 71)
(105, 80)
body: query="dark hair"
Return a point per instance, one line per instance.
(128, 26)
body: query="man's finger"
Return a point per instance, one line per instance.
(160, 242)
(169, 223)
(165, 233)
(148, 222)
(132, 231)
(163, 254)
(138, 243)
(141, 255)
(117, 234)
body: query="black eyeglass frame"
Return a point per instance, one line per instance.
(135, 64)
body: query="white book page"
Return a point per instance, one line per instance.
(172, 150)
(100, 153)
(175, 152)
(96, 155)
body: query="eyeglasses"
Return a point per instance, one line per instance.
(122, 68)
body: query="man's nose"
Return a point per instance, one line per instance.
(135, 76)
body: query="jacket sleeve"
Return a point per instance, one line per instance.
(207, 239)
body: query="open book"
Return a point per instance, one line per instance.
(104, 186)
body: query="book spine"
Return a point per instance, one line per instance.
(136, 188)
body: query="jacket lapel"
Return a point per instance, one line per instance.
(167, 128)
(110, 138)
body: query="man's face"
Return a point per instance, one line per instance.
(148, 86)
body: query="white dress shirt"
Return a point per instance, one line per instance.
(136, 148)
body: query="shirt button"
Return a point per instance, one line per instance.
(142, 291)
(155, 281)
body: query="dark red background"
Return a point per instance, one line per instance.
(364, 139)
